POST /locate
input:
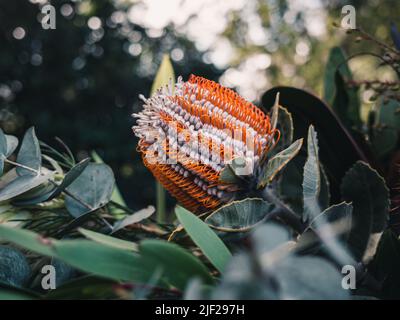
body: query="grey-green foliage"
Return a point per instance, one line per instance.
(311, 178)
(29, 154)
(366, 189)
(385, 130)
(91, 190)
(338, 94)
(8, 144)
(276, 272)
(14, 267)
(239, 216)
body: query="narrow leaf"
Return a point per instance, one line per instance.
(134, 218)
(311, 178)
(164, 75)
(205, 238)
(178, 266)
(278, 162)
(109, 241)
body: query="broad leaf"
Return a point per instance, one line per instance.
(29, 154)
(108, 240)
(309, 278)
(17, 185)
(91, 190)
(70, 177)
(116, 195)
(385, 265)
(205, 238)
(366, 189)
(338, 213)
(239, 216)
(12, 144)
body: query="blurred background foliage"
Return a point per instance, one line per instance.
(81, 81)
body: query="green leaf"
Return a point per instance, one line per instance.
(103, 260)
(338, 213)
(109, 241)
(366, 189)
(385, 134)
(86, 287)
(28, 240)
(94, 187)
(8, 144)
(343, 99)
(164, 75)
(12, 144)
(290, 185)
(205, 238)
(13, 293)
(309, 278)
(385, 265)
(116, 195)
(338, 150)
(239, 216)
(133, 218)
(228, 175)
(15, 185)
(177, 265)
(311, 178)
(285, 126)
(70, 177)
(384, 140)
(324, 194)
(3, 143)
(389, 113)
(34, 196)
(269, 236)
(278, 162)
(29, 154)
(3, 150)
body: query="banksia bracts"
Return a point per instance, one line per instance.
(190, 132)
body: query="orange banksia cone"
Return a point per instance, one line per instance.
(190, 132)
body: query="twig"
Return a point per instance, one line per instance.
(76, 198)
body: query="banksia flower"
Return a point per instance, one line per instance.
(189, 133)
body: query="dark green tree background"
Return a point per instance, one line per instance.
(82, 85)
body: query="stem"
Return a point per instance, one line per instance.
(160, 199)
(21, 166)
(284, 212)
(76, 198)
